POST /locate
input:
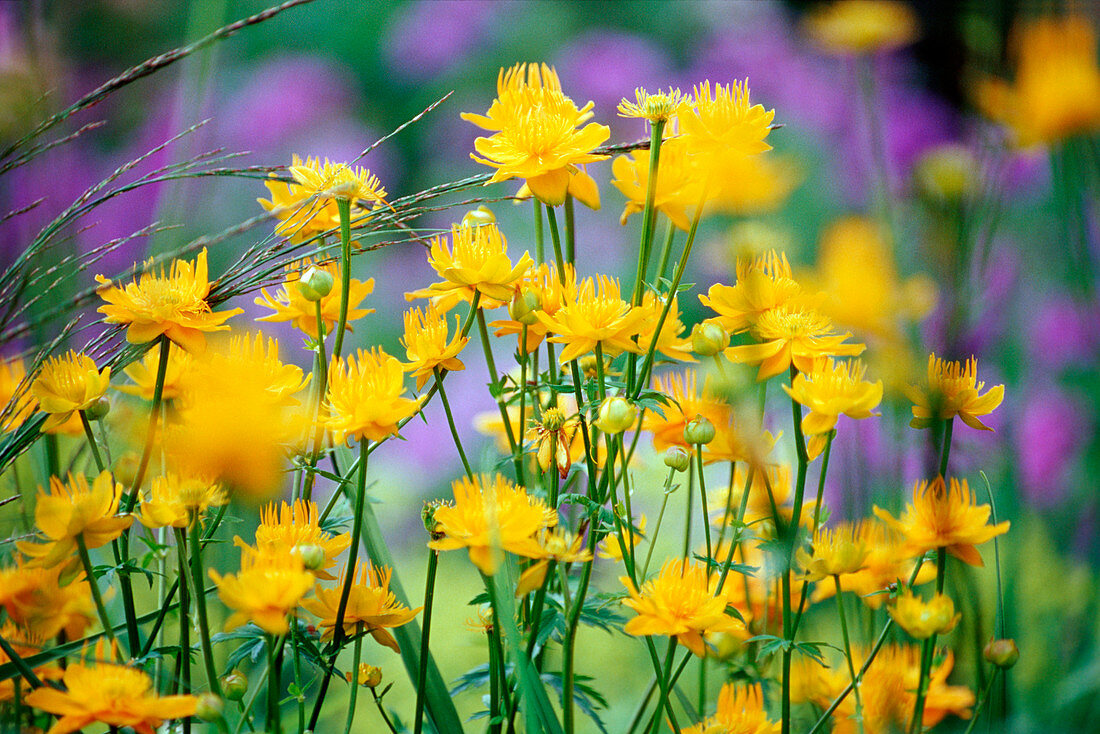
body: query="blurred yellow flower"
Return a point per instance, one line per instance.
(68, 384)
(924, 618)
(75, 509)
(789, 337)
(173, 304)
(475, 261)
(173, 499)
(740, 710)
(24, 644)
(426, 344)
(610, 548)
(37, 601)
(16, 401)
(144, 374)
(835, 551)
(536, 136)
(366, 397)
(721, 127)
(289, 527)
(679, 186)
(370, 604)
(1056, 91)
(888, 562)
(289, 304)
(862, 26)
(753, 184)
(269, 586)
(595, 314)
(953, 390)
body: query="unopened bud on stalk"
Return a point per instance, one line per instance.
(699, 431)
(368, 675)
(126, 468)
(477, 217)
(525, 303)
(234, 685)
(313, 556)
(1002, 653)
(617, 414)
(315, 284)
(677, 458)
(709, 339)
(209, 707)
(98, 410)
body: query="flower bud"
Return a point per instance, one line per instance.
(126, 467)
(477, 217)
(315, 284)
(699, 431)
(313, 556)
(369, 675)
(209, 707)
(947, 173)
(98, 410)
(616, 415)
(676, 457)
(1002, 653)
(524, 305)
(234, 685)
(709, 339)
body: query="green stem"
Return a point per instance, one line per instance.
(357, 650)
(154, 413)
(245, 715)
(666, 689)
(791, 533)
(555, 238)
(848, 653)
(945, 450)
(570, 232)
(322, 390)
(93, 584)
(425, 637)
(703, 499)
(649, 214)
(451, 422)
(353, 553)
(929, 652)
(660, 517)
(200, 604)
(274, 660)
(91, 441)
(185, 612)
(687, 514)
(981, 702)
(483, 329)
(540, 248)
(343, 206)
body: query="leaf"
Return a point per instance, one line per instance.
(586, 698)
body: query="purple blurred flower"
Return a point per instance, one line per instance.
(1063, 332)
(1052, 431)
(426, 39)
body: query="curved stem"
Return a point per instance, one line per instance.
(200, 604)
(353, 553)
(91, 441)
(660, 517)
(451, 422)
(703, 499)
(322, 390)
(154, 413)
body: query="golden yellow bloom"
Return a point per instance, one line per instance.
(144, 374)
(535, 134)
(953, 390)
(1056, 92)
(24, 645)
(173, 304)
(426, 344)
(679, 185)
(720, 128)
(366, 397)
(831, 389)
(370, 604)
(35, 599)
(740, 711)
(679, 602)
(836, 551)
(888, 562)
(289, 304)
(116, 695)
(558, 545)
(921, 618)
(368, 675)
(726, 502)
(543, 282)
(862, 26)
(791, 336)
(942, 518)
(672, 343)
(610, 547)
(261, 359)
(16, 402)
(66, 385)
(595, 313)
(295, 526)
(491, 515)
(269, 586)
(73, 509)
(653, 107)
(333, 180)
(557, 440)
(763, 284)
(754, 184)
(476, 260)
(174, 498)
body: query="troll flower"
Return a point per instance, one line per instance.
(769, 482)
(288, 527)
(791, 337)
(686, 402)
(550, 289)
(671, 341)
(261, 359)
(763, 284)
(426, 344)
(922, 619)
(887, 562)
(595, 314)
(24, 645)
(861, 26)
(144, 374)
(945, 518)
(366, 397)
(1056, 92)
(370, 604)
(740, 711)
(491, 515)
(16, 402)
(557, 545)
(678, 602)
(333, 180)
(953, 390)
(659, 106)
(723, 126)
(75, 509)
(173, 304)
(66, 385)
(610, 547)
(475, 261)
(116, 695)
(174, 499)
(289, 304)
(35, 599)
(753, 184)
(269, 586)
(557, 441)
(679, 187)
(828, 391)
(536, 136)
(836, 551)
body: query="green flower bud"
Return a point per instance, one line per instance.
(709, 339)
(234, 685)
(315, 284)
(677, 458)
(98, 410)
(699, 431)
(1002, 653)
(947, 173)
(209, 707)
(313, 556)
(477, 217)
(524, 305)
(616, 415)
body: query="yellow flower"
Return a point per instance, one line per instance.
(723, 127)
(35, 599)
(726, 503)
(671, 341)
(262, 362)
(558, 545)
(336, 181)
(426, 344)
(888, 562)
(295, 526)
(491, 515)
(557, 440)
(791, 337)
(953, 390)
(550, 290)
(535, 135)
(652, 107)
(679, 186)
(740, 711)
(830, 389)
(922, 619)
(116, 695)
(595, 313)
(862, 26)
(370, 604)
(269, 586)
(172, 304)
(16, 402)
(73, 509)
(144, 374)
(942, 518)
(174, 498)
(66, 385)
(678, 602)
(476, 261)
(836, 551)
(1056, 92)
(610, 547)
(753, 184)
(763, 284)
(24, 645)
(289, 304)
(365, 397)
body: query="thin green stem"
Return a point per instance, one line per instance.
(570, 231)
(154, 413)
(451, 422)
(974, 715)
(848, 653)
(322, 389)
(555, 239)
(425, 638)
(929, 652)
(649, 213)
(245, 712)
(356, 656)
(343, 206)
(703, 500)
(353, 552)
(876, 137)
(660, 517)
(185, 612)
(945, 447)
(274, 660)
(91, 441)
(487, 346)
(93, 584)
(666, 689)
(540, 247)
(200, 604)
